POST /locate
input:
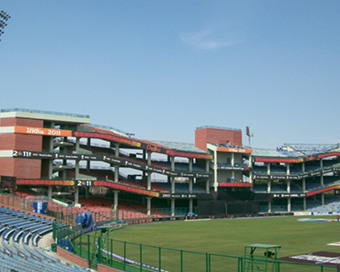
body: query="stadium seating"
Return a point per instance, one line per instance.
(19, 249)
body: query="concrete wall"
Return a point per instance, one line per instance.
(217, 136)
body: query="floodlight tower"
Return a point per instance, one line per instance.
(249, 134)
(3, 19)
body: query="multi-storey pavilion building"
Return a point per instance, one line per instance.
(64, 155)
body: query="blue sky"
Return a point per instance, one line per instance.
(160, 69)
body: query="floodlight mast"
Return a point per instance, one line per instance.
(249, 134)
(3, 19)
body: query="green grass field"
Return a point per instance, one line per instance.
(226, 237)
(230, 236)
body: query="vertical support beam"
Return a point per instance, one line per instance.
(172, 207)
(191, 201)
(232, 159)
(322, 198)
(269, 186)
(115, 201)
(117, 149)
(77, 144)
(207, 186)
(207, 166)
(288, 169)
(76, 195)
(148, 187)
(288, 186)
(268, 168)
(190, 164)
(269, 206)
(289, 204)
(304, 184)
(50, 169)
(173, 185)
(50, 162)
(149, 157)
(215, 171)
(190, 185)
(116, 173)
(148, 206)
(172, 161)
(77, 170)
(49, 192)
(144, 172)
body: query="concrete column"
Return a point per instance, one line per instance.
(149, 157)
(117, 150)
(144, 159)
(303, 167)
(149, 181)
(76, 195)
(232, 159)
(268, 168)
(50, 169)
(305, 203)
(172, 161)
(172, 207)
(321, 176)
(190, 185)
(190, 164)
(288, 169)
(323, 199)
(173, 189)
(215, 171)
(76, 170)
(207, 166)
(77, 144)
(288, 186)
(49, 192)
(269, 207)
(207, 186)
(289, 204)
(115, 200)
(63, 174)
(50, 162)
(116, 173)
(191, 204)
(304, 184)
(269, 186)
(250, 162)
(148, 206)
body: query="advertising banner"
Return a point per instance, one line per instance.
(43, 131)
(110, 159)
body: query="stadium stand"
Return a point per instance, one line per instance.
(17, 230)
